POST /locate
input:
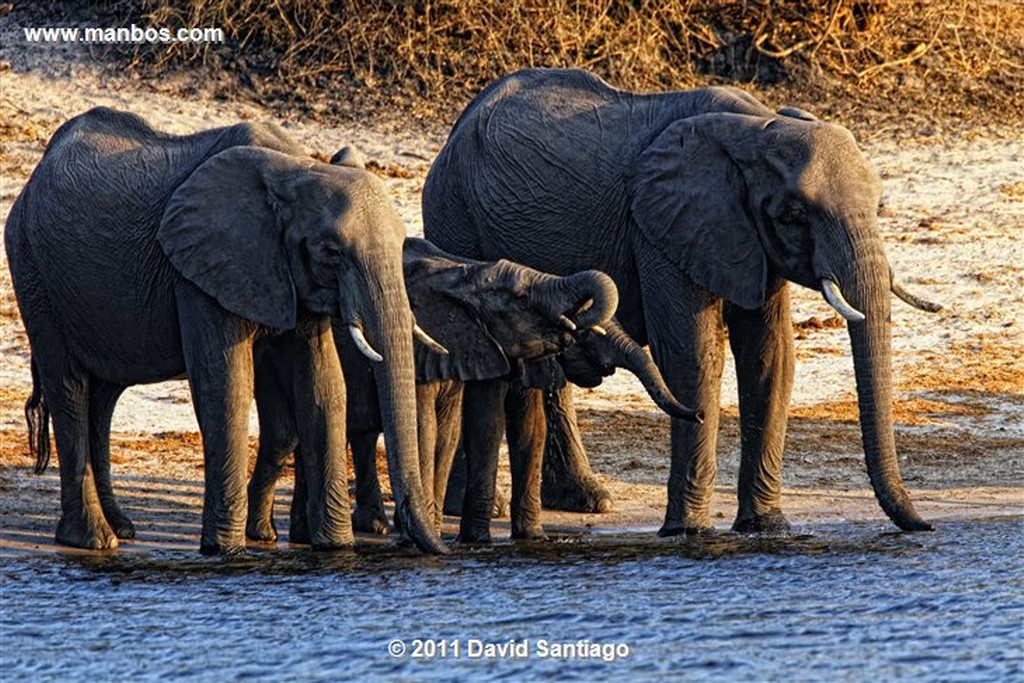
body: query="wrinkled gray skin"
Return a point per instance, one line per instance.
(702, 205)
(139, 257)
(488, 316)
(586, 364)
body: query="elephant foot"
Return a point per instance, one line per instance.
(771, 522)
(84, 532)
(576, 495)
(370, 521)
(530, 533)
(261, 530)
(223, 549)
(685, 529)
(474, 535)
(299, 533)
(334, 542)
(119, 522)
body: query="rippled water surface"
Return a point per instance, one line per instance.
(843, 603)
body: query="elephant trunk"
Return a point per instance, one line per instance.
(587, 298)
(631, 356)
(389, 329)
(865, 282)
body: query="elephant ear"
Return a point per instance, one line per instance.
(223, 231)
(473, 354)
(690, 202)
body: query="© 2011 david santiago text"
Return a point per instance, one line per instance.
(473, 648)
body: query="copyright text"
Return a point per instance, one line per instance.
(473, 648)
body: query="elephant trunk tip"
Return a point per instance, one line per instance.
(426, 539)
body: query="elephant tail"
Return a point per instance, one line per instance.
(37, 414)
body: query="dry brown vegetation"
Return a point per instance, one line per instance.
(430, 57)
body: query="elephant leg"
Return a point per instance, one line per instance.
(449, 430)
(103, 398)
(277, 441)
(526, 430)
(218, 359)
(568, 483)
(369, 516)
(762, 344)
(426, 411)
(82, 522)
(687, 339)
(319, 391)
(65, 387)
(482, 429)
(298, 513)
(455, 491)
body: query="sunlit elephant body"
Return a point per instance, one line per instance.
(139, 256)
(490, 317)
(701, 205)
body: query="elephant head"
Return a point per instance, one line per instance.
(267, 234)
(491, 314)
(737, 200)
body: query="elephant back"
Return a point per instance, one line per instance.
(88, 219)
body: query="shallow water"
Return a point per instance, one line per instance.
(842, 603)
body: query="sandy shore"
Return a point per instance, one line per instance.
(953, 220)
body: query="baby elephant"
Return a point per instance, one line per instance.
(489, 316)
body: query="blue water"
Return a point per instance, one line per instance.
(844, 603)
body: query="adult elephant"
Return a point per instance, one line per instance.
(701, 205)
(139, 256)
(490, 318)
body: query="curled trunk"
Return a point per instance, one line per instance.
(586, 298)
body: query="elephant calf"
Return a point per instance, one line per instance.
(489, 316)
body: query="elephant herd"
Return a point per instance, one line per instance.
(568, 224)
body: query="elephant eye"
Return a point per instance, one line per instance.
(330, 252)
(793, 212)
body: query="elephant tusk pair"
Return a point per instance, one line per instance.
(836, 300)
(572, 327)
(364, 346)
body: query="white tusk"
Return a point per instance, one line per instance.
(566, 323)
(363, 345)
(600, 330)
(429, 341)
(835, 299)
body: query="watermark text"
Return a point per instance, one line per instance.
(122, 34)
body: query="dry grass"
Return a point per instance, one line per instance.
(433, 55)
